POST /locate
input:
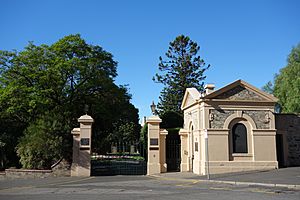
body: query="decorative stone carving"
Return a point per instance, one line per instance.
(258, 116)
(219, 118)
(240, 93)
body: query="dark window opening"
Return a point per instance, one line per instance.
(239, 138)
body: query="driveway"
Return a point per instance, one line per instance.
(136, 187)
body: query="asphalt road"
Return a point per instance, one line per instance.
(134, 187)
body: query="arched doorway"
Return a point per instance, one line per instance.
(239, 138)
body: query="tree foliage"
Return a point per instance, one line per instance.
(171, 119)
(286, 85)
(10, 131)
(182, 68)
(269, 87)
(43, 143)
(58, 80)
(144, 134)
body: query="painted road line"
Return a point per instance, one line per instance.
(175, 179)
(14, 189)
(220, 188)
(67, 182)
(43, 185)
(263, 191)
(190, 184)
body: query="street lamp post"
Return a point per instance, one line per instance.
(153, 108)
(206, 153)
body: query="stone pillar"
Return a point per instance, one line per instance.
(76, 138)
(153, 164)
(81, 165)
(162, 149)
(184, 165)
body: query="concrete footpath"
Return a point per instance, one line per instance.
(285, 177)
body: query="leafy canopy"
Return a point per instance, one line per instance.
(286, 86)
(287, 83)
(57, 81)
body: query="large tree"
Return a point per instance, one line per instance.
(286, 84)
(180, 69)
(45, 88)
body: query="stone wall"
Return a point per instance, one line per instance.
(258, 117)
(289, 126)
(27, 173)
(219, 117)
(63, 168)
(2, 175)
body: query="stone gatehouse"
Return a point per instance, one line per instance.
(228, 130)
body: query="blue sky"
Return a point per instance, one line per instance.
(241, 39)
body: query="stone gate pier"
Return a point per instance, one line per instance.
(156, 146)
(81, 165)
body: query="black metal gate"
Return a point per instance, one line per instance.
(279, 148)
(173, 151)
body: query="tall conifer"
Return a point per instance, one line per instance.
(180, 69)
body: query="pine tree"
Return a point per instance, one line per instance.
(182, 68)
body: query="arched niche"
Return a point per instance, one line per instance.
(230, 124)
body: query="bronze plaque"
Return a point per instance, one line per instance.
(85, 141)
(196, 146)
(153, 141)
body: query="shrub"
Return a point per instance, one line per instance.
(41, 144)
(171, 119)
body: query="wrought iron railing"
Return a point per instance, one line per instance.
(123, 159)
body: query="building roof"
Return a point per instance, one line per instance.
(241, 84)
(237, 91)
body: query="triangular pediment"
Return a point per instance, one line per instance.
(190, 97)
(241, 91)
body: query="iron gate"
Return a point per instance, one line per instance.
(173, 151)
